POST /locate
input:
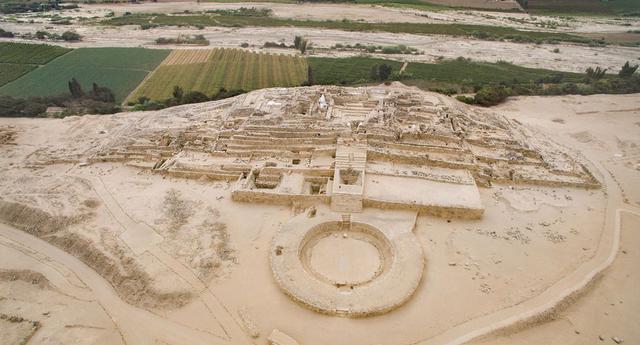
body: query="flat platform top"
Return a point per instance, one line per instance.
(410, 190)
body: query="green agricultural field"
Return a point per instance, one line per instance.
(464, 71)
(583, 7)
(450, 73)
(11, 71)
(17, 59)
(221, 68)
(33, 54)
(120, 69)
(346, 71)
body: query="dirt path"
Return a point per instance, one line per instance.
(64, 281)
(137, 326)
(141, 238)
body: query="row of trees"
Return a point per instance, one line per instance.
(69, 36)
(596, 81)
(179, 97)
(300, 43)
(97, 100)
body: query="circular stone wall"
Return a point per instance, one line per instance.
(352, 269)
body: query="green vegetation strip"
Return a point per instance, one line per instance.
(225, 68)
(583, 7)
(35, 54)
(345, 71)
(11, 71)
(456, 73)
(467, 72)
(17, 59)
(120, 69)
(482, 31)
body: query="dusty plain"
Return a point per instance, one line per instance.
(204, 257)
(279, 216)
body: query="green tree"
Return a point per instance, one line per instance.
(102, 94)
(304, 45)
(595, 73)
(178, 93)
(75, 88)
(627, 70)
(310, 80)
(380, 72)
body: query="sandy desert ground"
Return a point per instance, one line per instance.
(319, 215)
(112, 253)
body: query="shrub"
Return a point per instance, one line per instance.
(274, 45)
(466, 99)
(491, 95)
(627, 70)
(595, 73)
(102, 94)
(147, 26)
(6, 34)
(223, 93)
(184, 39)
(61, 22)
(444, 90)
(194, 97)
(71, 36)
(244, 12)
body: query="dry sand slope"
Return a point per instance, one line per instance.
(200, 261)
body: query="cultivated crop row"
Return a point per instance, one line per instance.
(32, 54)
(224, 68)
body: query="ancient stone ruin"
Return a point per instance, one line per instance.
(364, 162)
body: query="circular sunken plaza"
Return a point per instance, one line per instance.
(349, 267)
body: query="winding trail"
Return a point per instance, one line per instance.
(136, 325)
